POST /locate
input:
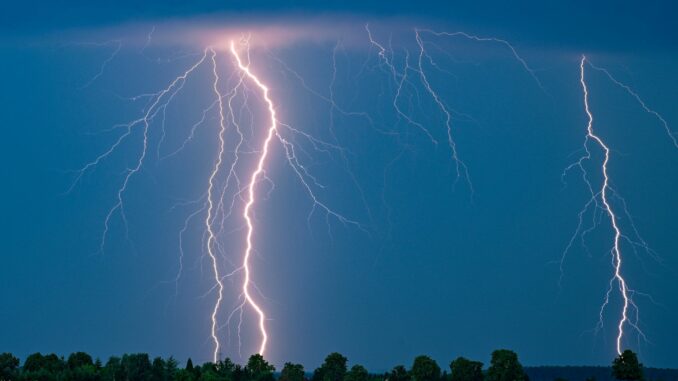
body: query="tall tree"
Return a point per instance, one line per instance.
(86, 372)
(398, 373)
(466, 370)
(222, 371)
(258, 369)
(333, 369)
(209, 372)
(239, 373)
(425, 368)
(626, 367)
(357, 373)
(78, 359)
(505, 367)
(137, 366)
(158, 370)
(113, 370)
(292, 372)
(9, 366)
(51, 363)
(184, 375)
(171, 366)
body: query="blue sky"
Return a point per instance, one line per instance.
(440, 269)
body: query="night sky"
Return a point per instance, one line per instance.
(439, 265)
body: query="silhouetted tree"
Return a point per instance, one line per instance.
(86, 372)
(626, 367)
(43, 368)
(466, 370)
(292, 372)
(221, 371)
(171, 366)
(215, 372)
(113, 370)
(425, 368)
(357, 373)
(257, 369)
(50, 362)
(9, 367)
(399, 373)
(333, 369)
(238, 373)
(184, 375)
(137, 366)
(158, 370)
(505, 367)
(78, 359)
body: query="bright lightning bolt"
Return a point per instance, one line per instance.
(210, 210)
(601, 203)
(408, 76)
(299, 169)
(251, 194)
(604, 195)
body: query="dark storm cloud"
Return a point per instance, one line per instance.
(582, 25)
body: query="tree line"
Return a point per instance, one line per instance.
(79, 366)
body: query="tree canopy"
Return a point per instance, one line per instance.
(333, 369)
(505, 366)
(80, 366)
(425, 368)
(626, 367)
(466, 370)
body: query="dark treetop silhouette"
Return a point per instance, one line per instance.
(80, 366)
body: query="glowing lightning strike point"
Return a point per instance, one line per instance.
(208, 219)
(616, 253)
(251, 197)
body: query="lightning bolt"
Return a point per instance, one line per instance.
(213, 205)
(145, 122)
(102, 68)
(671, 134)
(272, 129)
(616, 250)
(600, 202)
(211, 240)
(604, 193)
(408, 74)
(273, 133)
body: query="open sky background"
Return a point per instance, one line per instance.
(442, 272)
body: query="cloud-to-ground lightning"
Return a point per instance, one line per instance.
(210, 210)
(604, 196)
(232, 190)
(601, 205)
(214, 205)
(251, 195)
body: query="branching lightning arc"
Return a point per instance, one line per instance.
(601, 203)
(228, 200)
